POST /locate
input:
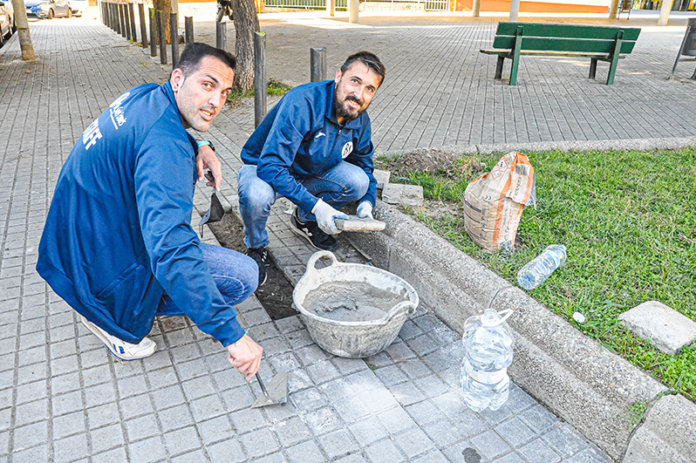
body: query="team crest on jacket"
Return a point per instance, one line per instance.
(347, 149)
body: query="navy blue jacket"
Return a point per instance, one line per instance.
(300, 137)
(118, 231)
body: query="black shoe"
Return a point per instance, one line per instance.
(260, 256)
(312, 233)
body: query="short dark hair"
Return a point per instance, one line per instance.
(194, 52)
(369, 59)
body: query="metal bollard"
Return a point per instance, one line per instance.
(162, 38)
(317, 60)
(221, 35)
(122, 14)
(131, 14)
(153, 33)
(174, 34)
(126, 17)
(143, 27)
(188, 29)
(260, 90)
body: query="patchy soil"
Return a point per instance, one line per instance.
(431, 160)
(276, 294)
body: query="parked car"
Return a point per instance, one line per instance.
(48, 9)
(78, 7)
(7, 21)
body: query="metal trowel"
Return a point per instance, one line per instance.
(277, 392)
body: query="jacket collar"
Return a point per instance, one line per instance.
(167, 87)
(331, 113)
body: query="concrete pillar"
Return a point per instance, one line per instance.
(353, 6)
(514, 10)
(613, 9)
(331, 7)
(664, 12)
(477, 8)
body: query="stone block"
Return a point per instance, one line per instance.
(382, 177)
(403, 195)
(667, 329)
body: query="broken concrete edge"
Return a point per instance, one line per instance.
(581, 381)
(667, 433)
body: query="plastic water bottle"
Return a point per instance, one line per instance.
(488, 353)
(536, 271)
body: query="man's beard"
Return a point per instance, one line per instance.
(342, 112)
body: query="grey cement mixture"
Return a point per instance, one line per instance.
(351, 301)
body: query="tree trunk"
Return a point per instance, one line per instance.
(165, 6)
(246, 22)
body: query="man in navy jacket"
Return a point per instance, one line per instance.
(118, 245)
(314, 147)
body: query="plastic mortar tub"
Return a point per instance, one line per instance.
(352, 310)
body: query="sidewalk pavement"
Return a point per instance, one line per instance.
(64, 398)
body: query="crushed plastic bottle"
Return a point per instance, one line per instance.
(488, 353)
(536, 271)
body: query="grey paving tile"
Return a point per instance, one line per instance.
(538, 418)
(66, 425)
(391, 375)
(383, 451)
(148, 450)
(247, 420)
(292, 431)
(414, 443)
(190, 457)
(28, 392)
(141, 428)
(175, 417)
(338, 443)
(31, 435)
(216, 430)
(306, 452)
(515, 432)
(490, 445)
(590, 455)
(182, 440)
(538, 451)
(258, 443)
(322, 420)
(31, 455)
(106, 438)
(66, 403)
(207, 407)
(103, 415)
(396, 420)
(139, 405)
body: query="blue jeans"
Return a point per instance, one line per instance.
(236, 277)
(339, 186)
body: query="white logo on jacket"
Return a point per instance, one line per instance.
(347, 149)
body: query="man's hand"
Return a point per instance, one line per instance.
(364, 210)
(325, 215)
(245, 356)
(206, 159)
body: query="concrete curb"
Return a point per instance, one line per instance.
(582, 382)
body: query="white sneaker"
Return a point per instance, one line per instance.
(122, 349)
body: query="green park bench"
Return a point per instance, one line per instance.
(599, 43)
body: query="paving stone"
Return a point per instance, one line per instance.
(247, 420)
(100, 394)
(70, 448)
(182, 440)
(106, 438)
(538, 451)
(258, 443)
(175, 417)
(322, 420)
(69, 424)
(383, 451)
(190, 457)
(538, 418)
(27, 392)
(414, 443)
(148, 450)
(102, 415)
(306, 452)
(207, 407)
(322, 372)
(565, 440)
(515, 432)
(368, 431)
(31, 455)
(396, 420)
(391, 375)
(216, 430)
(338, 443)
(490, 445)
(141, 428)
(664, 327)
(138, 405)
(292, 431)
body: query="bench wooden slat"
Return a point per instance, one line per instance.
(568, 30)
(563, 44)
(553, 54)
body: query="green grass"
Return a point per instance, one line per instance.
(274, 88)
(628, 219)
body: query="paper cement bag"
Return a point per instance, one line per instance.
(494, 201)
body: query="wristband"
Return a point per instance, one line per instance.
(206, 142)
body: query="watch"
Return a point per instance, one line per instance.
(206, 142)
